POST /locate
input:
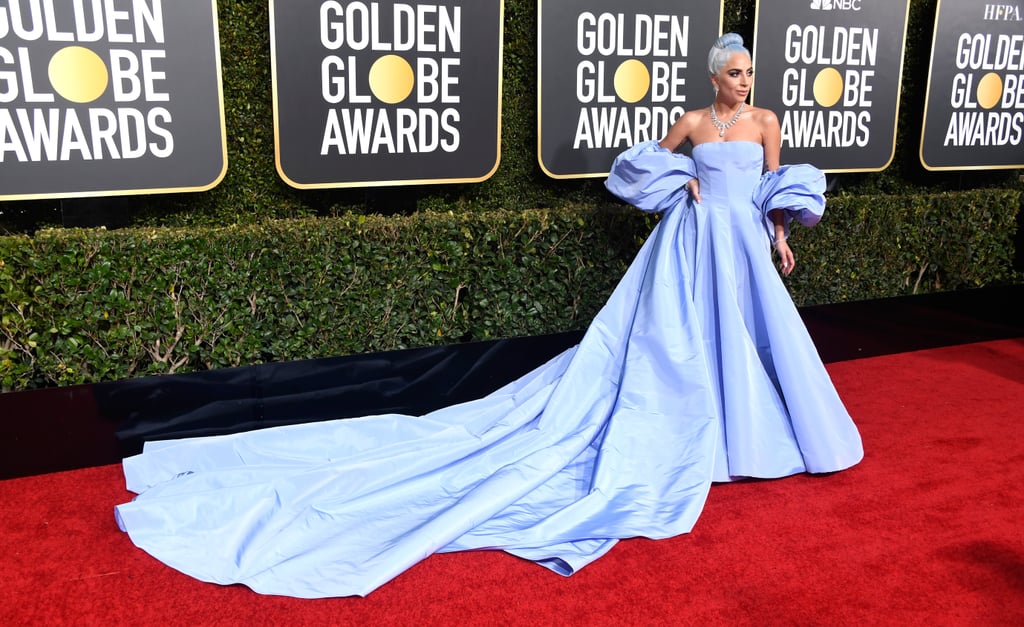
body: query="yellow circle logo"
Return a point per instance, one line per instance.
(828, 87)
(990, 88)
(632, 80)
(391, 79)
(78, 74)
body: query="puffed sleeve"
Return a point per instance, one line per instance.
(798, 189)
(650, 177)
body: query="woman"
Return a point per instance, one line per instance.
(724, 208)
(731, 76)
(696, 369)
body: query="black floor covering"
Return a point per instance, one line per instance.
(79, 426)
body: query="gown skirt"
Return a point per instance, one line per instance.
(698, 369)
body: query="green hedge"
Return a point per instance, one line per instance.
(252, 190)
(84, 306)
(309, 273)
(888, 245)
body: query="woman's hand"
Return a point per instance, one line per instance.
(786, 259)
(693, 186)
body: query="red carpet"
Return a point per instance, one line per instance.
(926, 530)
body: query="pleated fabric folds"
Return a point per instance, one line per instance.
(697, 369)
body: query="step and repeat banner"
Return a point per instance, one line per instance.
(831, 71)
(974, 110)
(112, 97)
(386, 93)
(615, 73)
(104, 97)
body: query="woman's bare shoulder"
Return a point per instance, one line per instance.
(694, 116)
(682, 129)
(762, 116)
(690, 119)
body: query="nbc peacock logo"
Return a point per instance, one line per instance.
(835, 5)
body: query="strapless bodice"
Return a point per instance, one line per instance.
(728, 171)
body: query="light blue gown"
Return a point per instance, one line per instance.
(698, 369)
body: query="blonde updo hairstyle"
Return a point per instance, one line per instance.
(726, 46)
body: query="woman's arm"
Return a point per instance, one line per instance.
(771, 136)
(786, 259)
(678, 134)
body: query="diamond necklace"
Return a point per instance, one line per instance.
(720, 125)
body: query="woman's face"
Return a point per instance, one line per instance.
(735, 78)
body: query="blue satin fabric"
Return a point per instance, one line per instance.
(697, 369)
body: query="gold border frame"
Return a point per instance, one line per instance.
(924, 114)
(899, 91)
(162, 190)
(540, 83)
(387, 182)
